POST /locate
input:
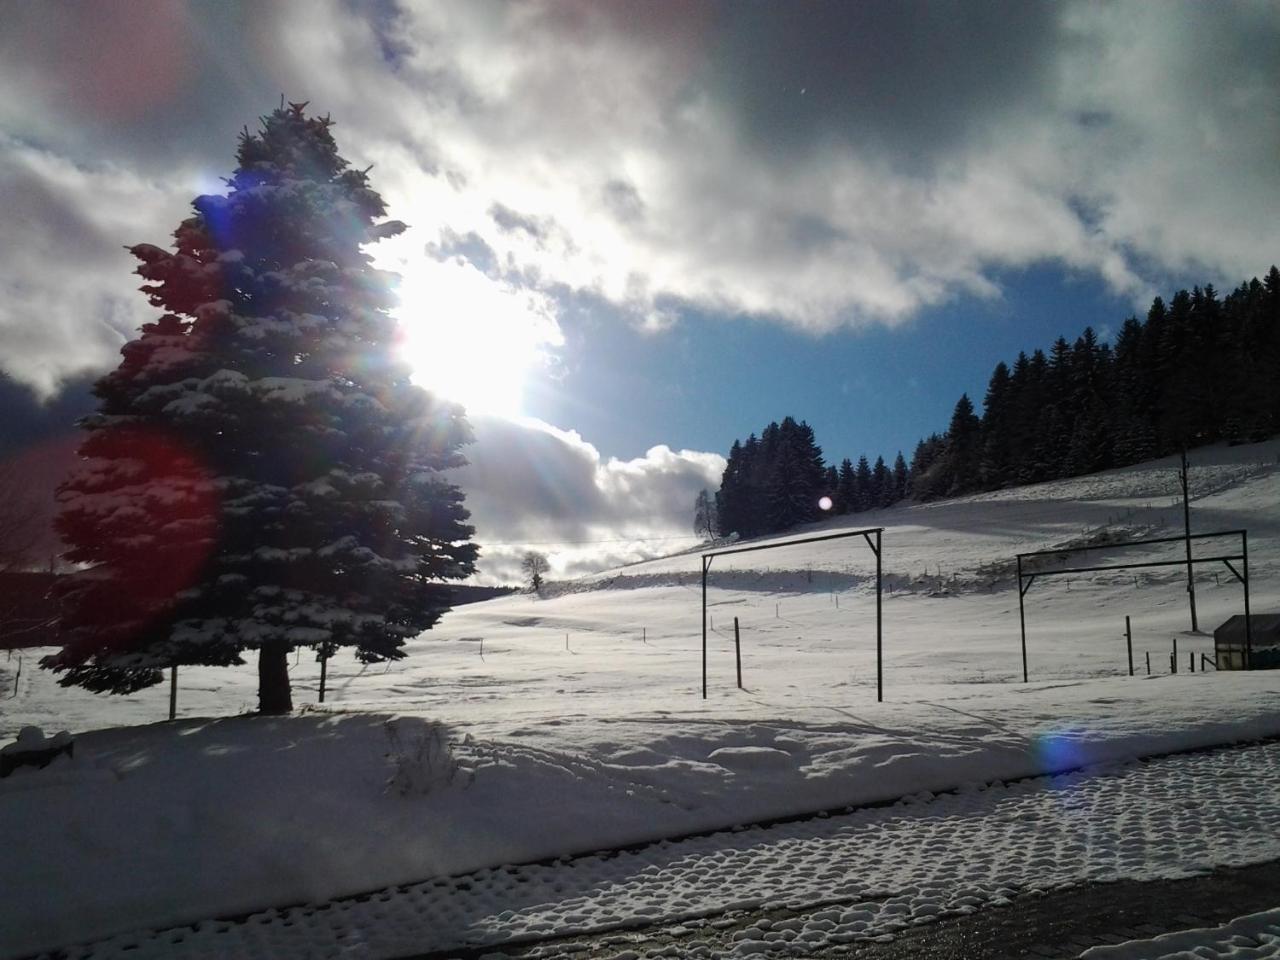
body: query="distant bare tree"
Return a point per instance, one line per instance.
(534, 565)
(704, 516)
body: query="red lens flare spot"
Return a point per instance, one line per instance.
(143, 508)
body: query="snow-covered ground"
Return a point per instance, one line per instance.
(527, 727)
(855, 876)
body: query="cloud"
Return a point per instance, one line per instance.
(528, 486)
(847, 165)
(823, 166)
(532, 486)
(68, 298)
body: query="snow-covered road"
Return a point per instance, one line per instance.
(875, 870)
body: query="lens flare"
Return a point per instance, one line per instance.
(1062, 750)
(824, 503)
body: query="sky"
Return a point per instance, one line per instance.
(639, 231)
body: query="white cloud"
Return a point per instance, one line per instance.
(589, 150)
(532, 486)
(661, 155)
(68, 297)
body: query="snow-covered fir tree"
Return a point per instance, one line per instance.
(261, 474)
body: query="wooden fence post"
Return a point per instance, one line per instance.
(737, 651)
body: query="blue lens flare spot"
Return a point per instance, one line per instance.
(1062, 750)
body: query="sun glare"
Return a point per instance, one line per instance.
(471, 338)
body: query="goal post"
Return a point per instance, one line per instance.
(1028, 577)
(874, 538)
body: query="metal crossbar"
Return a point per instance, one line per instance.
(875, 548)
(1132, 543)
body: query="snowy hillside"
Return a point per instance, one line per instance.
(537, 726)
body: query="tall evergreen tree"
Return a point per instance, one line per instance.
(831, 484)
(846, 490)
(963, 448)
(926, 473)
(881, 484)
(261, 474)
(862, 492)
(997, 417)
(796, 474)
(901, 478)
(1179, 357)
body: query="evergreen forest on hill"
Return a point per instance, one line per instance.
(1199, 369)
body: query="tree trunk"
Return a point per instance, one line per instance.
(273, 679)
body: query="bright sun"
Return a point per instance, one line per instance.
(470, 338)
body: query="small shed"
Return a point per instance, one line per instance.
(1229, 642)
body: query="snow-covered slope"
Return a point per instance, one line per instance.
(575, 720)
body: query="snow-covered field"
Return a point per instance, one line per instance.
(527, 727)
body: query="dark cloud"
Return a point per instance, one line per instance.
(510, 221)
(523, 479)
(623, 201)
(906, 81)
(152, 84)
(470, 247)
(38, 444)
(28, 422)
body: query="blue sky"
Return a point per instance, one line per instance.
(870, 392)
(640, 230)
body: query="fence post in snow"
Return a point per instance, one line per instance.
(1022, 619)
(879, 620)
(644, 634)
(1173, 657)
(1148, 663)
(737, 651)
(1192, 655)
(1128, 639)
(324, 669)
(173, 691)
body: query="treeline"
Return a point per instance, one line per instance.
(778, 480)
(1197, 370)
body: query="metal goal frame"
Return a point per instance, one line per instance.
(875, 546)
(1242, 574)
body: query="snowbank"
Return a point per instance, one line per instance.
(170, 823)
